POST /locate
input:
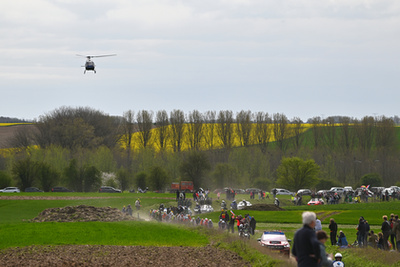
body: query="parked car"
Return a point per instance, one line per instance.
(243, 204)
(377, 190)
(304, 192)
(280, 191)
(388, 191)
(395, 188)
(108, 189)
(276, 241)
(239, 191)
(339, 190)
(33, 189)
(254, 190)
(60, 189)
(322, 192)
(316, 201)
(11, 190)
(360, 189)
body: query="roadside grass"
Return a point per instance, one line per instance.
(129, 233)
(249, 250)
(16, 230)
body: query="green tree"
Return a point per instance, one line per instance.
(372, 179)
(224, 174)
(25, 172)
(296, 173)
(325, 184)
(47, 176)
(123, 177)
(73, 177)
(5, 179)
(141, 180)
(158, 178)
(194, 167)
(91, 178)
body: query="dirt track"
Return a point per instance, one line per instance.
(119, 256)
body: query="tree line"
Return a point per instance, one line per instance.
(211, 148)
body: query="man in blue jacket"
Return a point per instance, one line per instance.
(306, 246)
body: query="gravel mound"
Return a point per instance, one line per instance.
(264, 207)
(84, 255)
(82, 213)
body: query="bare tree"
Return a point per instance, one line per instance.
(209, 132)
(281, 130)
(162, 129)
(126, 133)
(317, 131)
(22, 137)
(385, 134)
(329, 132)
(244, 126)
(225, 128)
(195, 129)
(365, 133)
(145, 125)
(263, 130)
(177, 120)
(297, 130)
(346, 137)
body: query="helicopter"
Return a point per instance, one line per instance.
(89, 64)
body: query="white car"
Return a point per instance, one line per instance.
(280, 191)
(243, 204)
(339, 190)
(11, 190)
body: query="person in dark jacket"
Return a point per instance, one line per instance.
(252, 225)
(333, 230)
(342, 241)
(306, 247)
(386, 232)
(361, 227)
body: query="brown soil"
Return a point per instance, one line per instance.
(82, 213)
(84, 255)
(264, 207)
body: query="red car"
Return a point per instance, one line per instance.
(275, 240)
(316, 201)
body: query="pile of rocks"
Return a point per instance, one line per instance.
(82, 213)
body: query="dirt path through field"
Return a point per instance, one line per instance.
(84, 255)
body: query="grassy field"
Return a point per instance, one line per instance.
(16, 230)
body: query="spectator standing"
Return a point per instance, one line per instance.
(318, 225)
(396, 230)
(361, 227)
(392, 233)
(333, 230)
(306, 246)
(386, 232)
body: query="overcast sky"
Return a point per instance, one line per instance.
(303, 58)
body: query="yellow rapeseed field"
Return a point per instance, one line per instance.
(204, 145)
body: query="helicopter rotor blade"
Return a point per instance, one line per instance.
(110, 55)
